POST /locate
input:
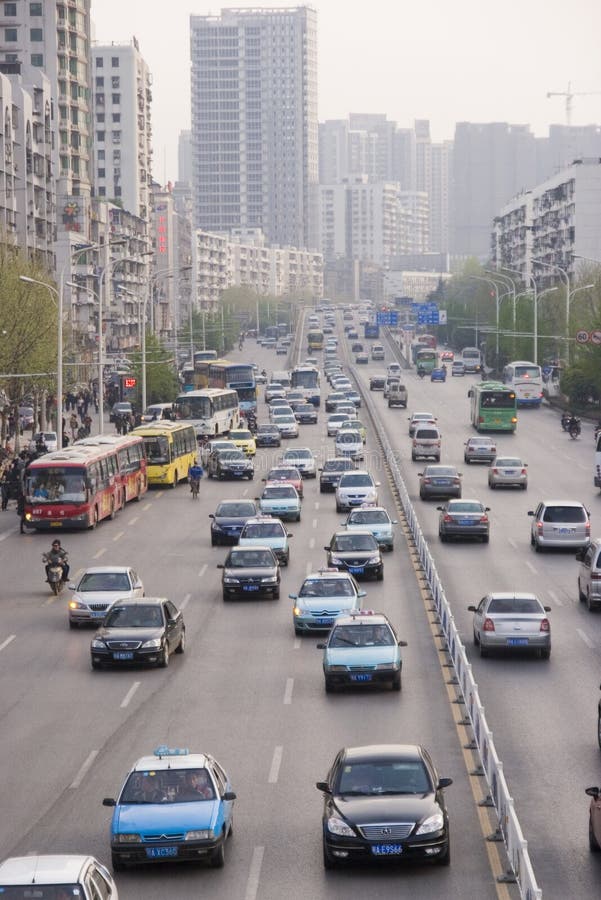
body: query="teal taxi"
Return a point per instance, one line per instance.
(362, 649)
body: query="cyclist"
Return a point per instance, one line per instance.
(195, 473)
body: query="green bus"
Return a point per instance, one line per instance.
(426, 359)
(493, 407)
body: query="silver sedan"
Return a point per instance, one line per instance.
(507, 621)
(508, 471)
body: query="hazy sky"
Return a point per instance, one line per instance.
(442, 60)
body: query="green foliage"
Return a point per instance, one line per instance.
(162, 385)
(28, 326)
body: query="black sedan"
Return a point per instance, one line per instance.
(229, 519)
(268, 436)
(377, 382)
(464, 519)
(384, 803)
(357, 552)
(230, 464)
(250, 572)
(144, 630)
(331, 472)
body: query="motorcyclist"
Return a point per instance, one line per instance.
(573, 423)
(565, 419)
(421, 371)
(57, 556)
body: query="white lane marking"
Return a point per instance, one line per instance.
(100, 553)
(8, 533)
(532, 567)
(288, 691)
(202, 571)
(586, 638)
(50, 600)
(317, 504)
(7, 641)
(159, 493)
(555, 598)
(252, 885)
(314, 523)
(245, 492)
(130, 693)
(134, 520)
(276, 762)
(185, 601)
(146, 506)
(312, 543)
(308, 567)
(296, 644)
(84, 769)
(118, 536)
(512, 543)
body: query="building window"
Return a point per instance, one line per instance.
(99, 81)
(102, 173)
(116, 137)
(115, 62)
(118, 192)
(116, 156)
(35, 9)
(10, 9)
(115, 82)
(37, 59)
(102, 192)
(10, 35)
(99, 62)
(36, 34)
(99, 99)
(116, 99)
(116, 117)
(100, 118)
(101, 154)
(100, 136)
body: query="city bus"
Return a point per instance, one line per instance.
(306, 379)
(171, 448)
(526, 379)
(314, 339)
(427, 340)
(211, 411)
(239, 377)
(75, 487)
(426, 359)
(204, 356)
(131, 462)
(472, 359)
(493, 407)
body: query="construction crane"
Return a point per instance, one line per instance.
(569, 95)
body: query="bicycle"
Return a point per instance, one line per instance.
(194, 487)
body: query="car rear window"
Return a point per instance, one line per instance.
(422, 433)
(564, 514)
(514, 605)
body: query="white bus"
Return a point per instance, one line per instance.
(212, 411)
(472, 359)
(526, 379)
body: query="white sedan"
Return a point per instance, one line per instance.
(302, 458)
(97, 589)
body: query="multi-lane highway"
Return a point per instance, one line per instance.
(250, 692)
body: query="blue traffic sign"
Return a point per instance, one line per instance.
(390, 317)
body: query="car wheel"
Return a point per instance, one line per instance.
(537, 547)
(524, 486)
(445, 858)
(164, 657)
(225, 597)
(175, 481)
(413, 456)
(592, 840)
(483, 650)
(380, 575)
(589, 603)
(491, 485)
(217, 858)
(546, 653)
(329, 685)
(466, 460)
(581, 594)
(181, 647)
(422, 496)
(476, 640)
(73, 624)
(599, 730)
(486, 539)
(322, 490)
(396, 681)
(298, 517)
(443, 537)
(214, 541)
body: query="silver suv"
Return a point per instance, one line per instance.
(559, 523)
(426, 442)
(589, 574)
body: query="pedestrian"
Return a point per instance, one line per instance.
(4, 488)
(73, 424)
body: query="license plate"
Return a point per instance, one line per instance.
(324, 621)
(387, 849)
(356, 570)
(99, 615)
(467, 521)
(565, 530)
(362, 677)
(250, 587)
(509, 471)
(161, 852)
(56, 524)
(440, 481)
(517, 642)
(123, 654)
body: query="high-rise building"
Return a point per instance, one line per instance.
(121, 102)
(254, 122)
(184, 156)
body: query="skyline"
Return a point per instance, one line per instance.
(513, 88)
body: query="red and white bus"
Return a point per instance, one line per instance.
(75, 487)
(131, 459)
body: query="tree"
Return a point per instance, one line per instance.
(162, 385)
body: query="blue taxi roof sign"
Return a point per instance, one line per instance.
(163, 750)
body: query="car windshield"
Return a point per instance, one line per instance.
(236, 509)
(465, 506)
(327, 587)
(267, 429)
(104, 581)
(168, 786)
(240, 436)
(227, 455)
(514, 605)
(361, 635)
(134, 616)
(356, 481)
(368, 517)
(245, 559)
(383, 777)
(264, 530)
(564, 514)
(285, 492)
(349, 542)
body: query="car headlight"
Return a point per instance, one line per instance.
(373, 561)
(127, 838)
(271, 579)
(97, 644)
(336, 668)
(201, 835)
(336, 561)
(432, 823)
(336, 825)
(298, 611)
(388, 665)
(154, 644)
(231, 581)
(75, 604)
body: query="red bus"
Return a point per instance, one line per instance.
(73, 488)
(427, 340)
(131, 460)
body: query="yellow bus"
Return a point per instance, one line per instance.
(171, 448)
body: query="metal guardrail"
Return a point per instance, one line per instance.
(499, 797)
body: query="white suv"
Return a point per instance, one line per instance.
(354, 489)
(426, 442)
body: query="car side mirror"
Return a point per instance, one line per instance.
(487, 509)
(109, 801)
(547, 608)
(293, 596)
(470, 393)
(320, 646)
(403, 644)
(323, 786)
(579, 556)
(530, 512)
(228, 795)
(71, 587)
(443, 783)
(138, 585)
(211, 515)
(220, 566)
(472, 608)
(440, 508)
(362, 594)
(326, 548)
(592, 792)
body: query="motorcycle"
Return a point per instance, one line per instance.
(565, 421)
(55, 575)
(575, 429)
(421, 373)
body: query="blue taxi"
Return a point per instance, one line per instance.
(362, 648)
(174, 806)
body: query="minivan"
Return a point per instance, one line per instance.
(559, 523)
(426, 442)
(589, 573)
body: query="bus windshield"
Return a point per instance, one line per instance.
(193, 408)
(56, 483)
(305, 378)
(157, 450)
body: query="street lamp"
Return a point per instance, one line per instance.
(59, 354)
